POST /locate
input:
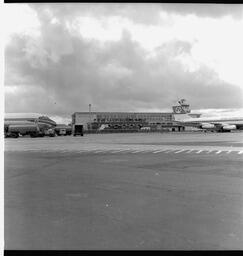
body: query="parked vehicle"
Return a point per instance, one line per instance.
(32, 124)
(50, 133)
(63, 129)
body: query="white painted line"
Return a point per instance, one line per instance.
(148, 151)
(80, 151)
(179, 151)
(169, 151)
(98, 151)
(240, 152)
(123, 150)
(63, 150)
(112, 152)
(158, 151)
(143, 151)
(189, 151)
(136, 151)
(218, 152)
(88, 151)
(118, 150)
(198, 152)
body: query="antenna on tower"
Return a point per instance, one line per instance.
(89, 116)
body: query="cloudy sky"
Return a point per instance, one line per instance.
(122, 57)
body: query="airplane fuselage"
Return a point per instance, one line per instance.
(26, 124)
(215, 123)
(184, 117)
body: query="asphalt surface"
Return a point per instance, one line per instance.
(125, 191)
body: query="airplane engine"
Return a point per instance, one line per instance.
(207, 126)
(229, 127)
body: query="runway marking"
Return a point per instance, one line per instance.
(81, 151)
(189, 151)
(177, 152)
(158, 151)
(119, 150)
(64, 150)
(169, 151)
(139, 150)
(99, 151)
(144, 151)
(112, 151)
(133, 151)
(116, 148)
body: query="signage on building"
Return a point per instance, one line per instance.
(182, 108)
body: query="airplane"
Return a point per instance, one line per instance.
(33, 124)
(183, 116)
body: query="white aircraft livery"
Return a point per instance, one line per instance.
(32, 124)
(218, 124)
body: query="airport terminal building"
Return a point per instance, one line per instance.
(129, 121)
(125, 121)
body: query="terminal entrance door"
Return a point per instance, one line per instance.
(78, 130)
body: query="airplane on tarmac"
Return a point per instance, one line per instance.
(33, 124)
(219, 124)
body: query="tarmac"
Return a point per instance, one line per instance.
(147, 191)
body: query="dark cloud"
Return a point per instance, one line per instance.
(144, 13)
(205, 10)
(62, 73)
(137, 12)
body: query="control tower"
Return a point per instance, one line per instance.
(183, 109)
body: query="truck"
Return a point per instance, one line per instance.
(14, 131)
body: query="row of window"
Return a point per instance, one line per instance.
(151, 119)
(130, 118)
(96, 124)
(118, 120)
(138, 116)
